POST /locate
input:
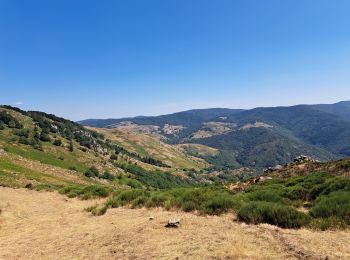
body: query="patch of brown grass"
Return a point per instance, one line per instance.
(41, 225)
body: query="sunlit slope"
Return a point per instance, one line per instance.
(147, 145)
(42, 150)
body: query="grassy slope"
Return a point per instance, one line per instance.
(56, 166)
(146, 145)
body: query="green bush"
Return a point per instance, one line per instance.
(327, 223)
(85, 192)
(331, 185)
(45, 137)
(187, 206)
(107, 176)
(205, 200)
(157, 199)
(9, 120)
(218, 205)
(114, 157)
(297, 192)
(24, 140)
(336, 204)
(272, 213)
(265, 195)
(95, 211)
(57, 142)
(92, 172)
(22, 132)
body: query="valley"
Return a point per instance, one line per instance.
(175, 130)
(107, 192)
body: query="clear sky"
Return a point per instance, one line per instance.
(100, 59)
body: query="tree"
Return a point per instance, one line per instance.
(114, 157)
(57, 142)
(71, 147)
(45, 137)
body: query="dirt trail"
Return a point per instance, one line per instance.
(42, 225)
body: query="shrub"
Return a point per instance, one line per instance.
(157, 199)
(94, 191)
(24, 140)
(22, 132)
(114, 157)
(218, 204)
(334, 184)
(265, 195)
(205, 200)
(71, 147)
(107, 176)
(139, 201)
(327, 223)
(297, 193)
(272, 213)
(187, 206)
(9, 120)
(97, 211)
(132, 183)
(44, 137)
(57, 142)
(336, 204)
(92, 172)
(85, 192)
(72, 168)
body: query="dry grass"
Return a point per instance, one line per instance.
(147, 145)
(41, 225)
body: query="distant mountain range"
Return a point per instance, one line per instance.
(258, 137)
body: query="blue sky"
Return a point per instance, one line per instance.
(101, 59)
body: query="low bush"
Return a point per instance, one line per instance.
(272, 213)
(57, 142)
(218, 204)
(297, 192)
(96, 211)
(7, 119)
(331, 185)
(107, 176)
(45, 137)
(92, 172)
(336, 204)
(205, 200)
(327, 223)
(85, 192)
(269, 195)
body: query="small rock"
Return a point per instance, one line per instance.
(28, 185)
(173, 223)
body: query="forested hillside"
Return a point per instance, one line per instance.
(260, 137)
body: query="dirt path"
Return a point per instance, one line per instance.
(42, 225)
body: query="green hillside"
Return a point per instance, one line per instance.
(44, 152)
(260, 137)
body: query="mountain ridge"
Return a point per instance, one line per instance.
(271, 135)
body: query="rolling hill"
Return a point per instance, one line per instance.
(259, 137)
(48, 152)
